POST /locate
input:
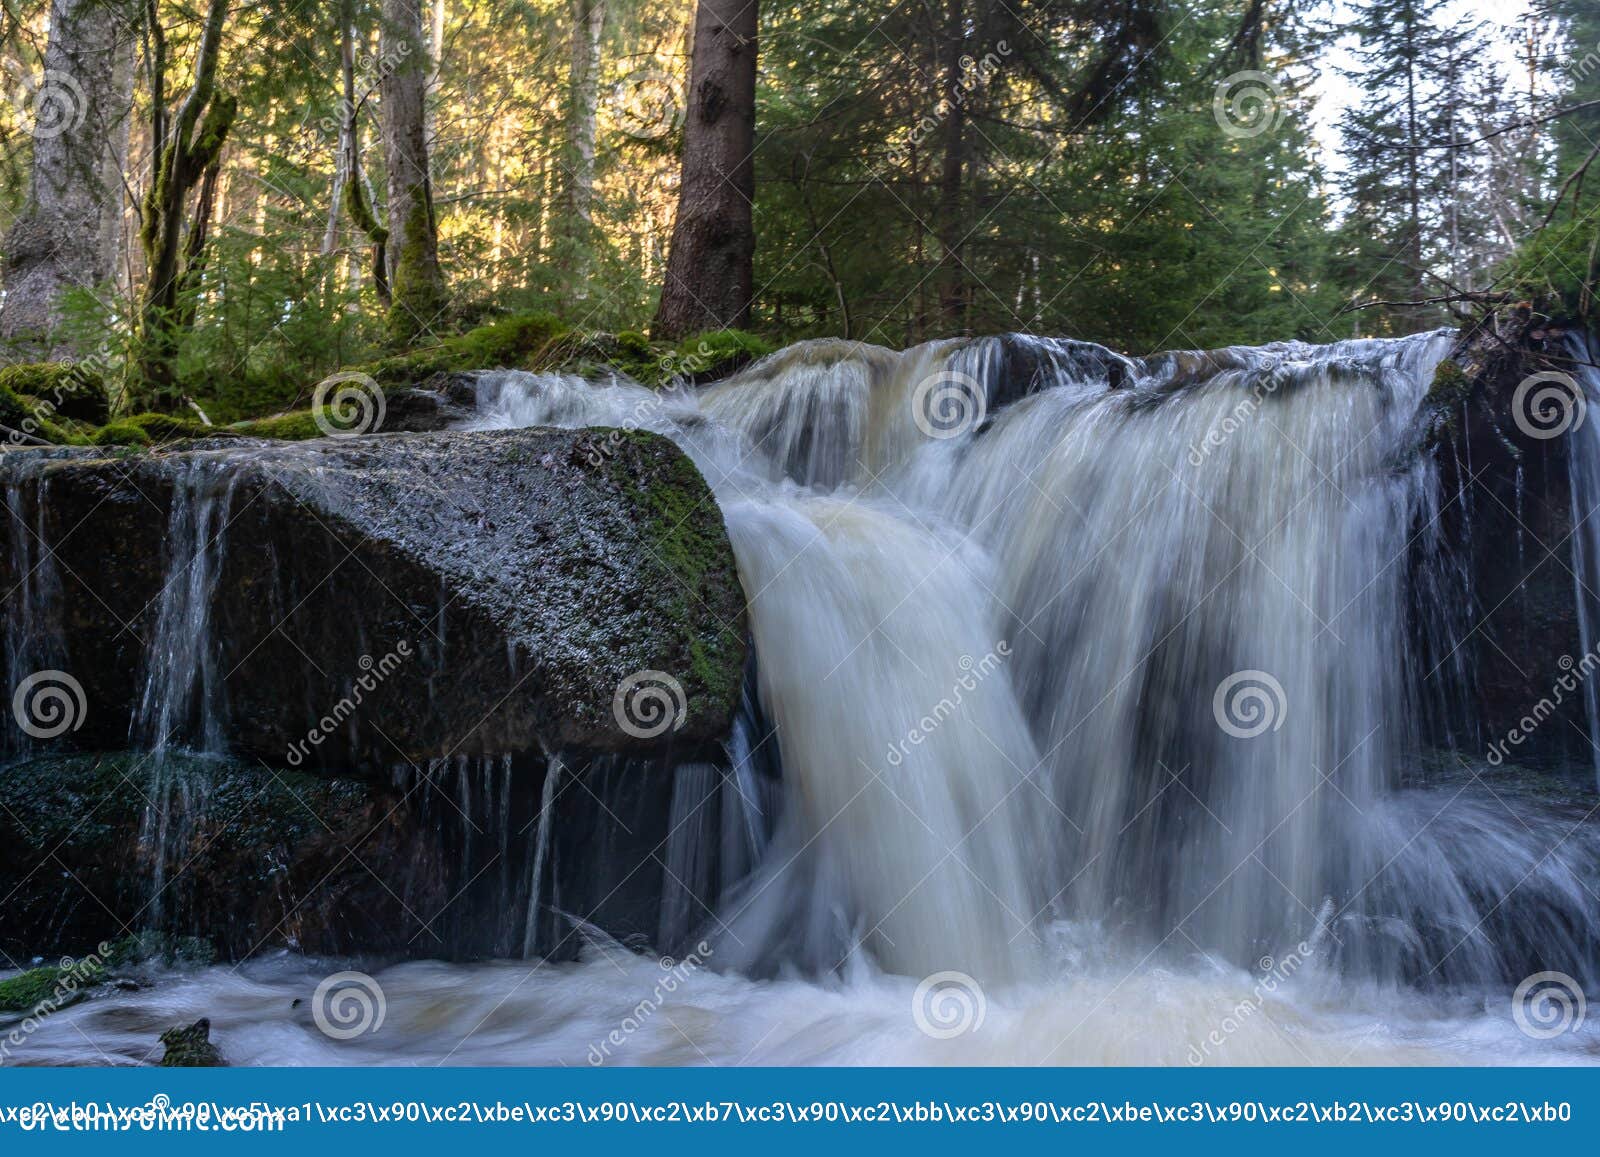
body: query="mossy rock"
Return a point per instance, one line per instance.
(51, 987)
(69, 389)
(191, 1048)
(29, 421)
(708, 357)
(120, 434)
(508, 343)
(294, 426)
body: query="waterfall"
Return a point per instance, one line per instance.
(1054, 638)
(1584, 465)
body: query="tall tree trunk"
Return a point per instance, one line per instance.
(948, 215)
(415, 280)
(67, 234)
(588, 25)
(186, 150)
(710, 265)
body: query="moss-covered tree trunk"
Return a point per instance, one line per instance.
(67, 234)
(710, 265)
(415, 279)
(189, 150)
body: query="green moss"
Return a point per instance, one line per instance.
(53, 987)
(1450, 387)
(168, 428)
(68, 389)
(29, 421)
(508, 343)
(191, 1048)
(295, 426)
(120, 434)
(708, 356)
(683, 528)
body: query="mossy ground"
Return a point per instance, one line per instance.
(531, 341)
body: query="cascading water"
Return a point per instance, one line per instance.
(1092, 685)
(1189, 577)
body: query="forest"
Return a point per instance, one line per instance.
(210, 207)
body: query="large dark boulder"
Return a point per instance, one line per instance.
(1506, 520)
(369, 603)
(95, 847)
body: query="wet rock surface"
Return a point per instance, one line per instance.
(363, 603)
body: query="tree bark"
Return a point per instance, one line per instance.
(949, 217)
(710, 265)
(67, 235)
(415, 279)
(186, 154)
(588, 25)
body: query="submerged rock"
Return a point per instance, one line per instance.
(191, 1048)
(372, 602)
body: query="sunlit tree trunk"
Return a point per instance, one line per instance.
(710, 265)
(415, 280)
(588, 26)
(68, 234)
